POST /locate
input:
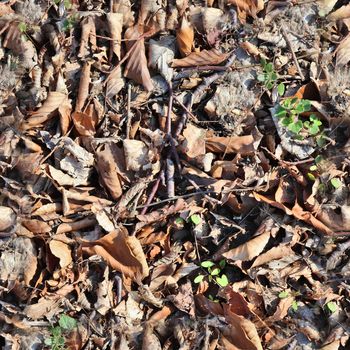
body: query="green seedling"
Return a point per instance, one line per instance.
(213, 273)
(336, 183)
(331, 306)
(195, 219)
(57, 339)
(285, 294)
(289, 113)
(269, 77)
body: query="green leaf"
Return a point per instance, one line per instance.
(306, 105)
(222, 281)
(281, 112)
(295, 127)
(331, 306)
(222, 263)
(269, 67)
(318, 159)
(314, 129)
(22, 27)
(273, 76)
(311, 176)
(179, 221)
(321, 141)
(295, 305)
(207, 264)
(210, 297)
(281, 89)
(283, 294)
(198, 279)
(56, 332)
(67, 322)
(313, 168)
(269, 85)
(263, 62)
(196, 219)
(48, 341)
(215, 272)
(287, 121)
(336, 183)
(261, 77)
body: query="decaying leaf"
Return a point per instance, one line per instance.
(185, 37)
(62, 251)
(115, 23)
(121, 252)
(201, 58)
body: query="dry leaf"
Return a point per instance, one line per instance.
(36, 226)
(104, 294)
(88, 33)
(107, 158)
(83, 91)
(194, 142)
(136, 68)
(121, 252)
(114, 83)
(342, 13)
(7, 218)
(115, 23)
(62, 252)
(252, 49)
(243, 145)
(343, 51)
(185, 37)
(202, 58)
(247, 7)
(85, 122)
(136, 154)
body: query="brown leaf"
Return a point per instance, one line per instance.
(136, 68)
(136, 154)
(7, 218)
(115, 24)
(252, 49)
(110, 161)
(241, 332)
(342, 13)
(121, 252)
(37, 226)
(85, 122)
(83, 91)
(61, 251)
(88, 33)
(247, 7)
(194, 143)
(243, 145)
(185, 37)
(202, 58)
(282, 310)
(343, 51)
(49, 109)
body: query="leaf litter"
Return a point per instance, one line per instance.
(174, 175)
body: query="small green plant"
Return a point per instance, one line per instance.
(285, 294)
(335, 182)
(269, 77)
(57, 339)
(213, 273)
(289, 113)
(331, 307)
(195, 219)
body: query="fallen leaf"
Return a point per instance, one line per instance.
(243, 145)
(194, 142)
(83, 91)
(342, 13)
(115, 24)
(62, 252)
(136, 68)
(185, 37)
(202, 58)
(136, 154)
(7, 218)
(343, 51)
(121, 252)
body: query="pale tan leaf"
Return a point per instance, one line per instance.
(252, 49)
(121, 252)
(343, 51)
(36, 226)
(76, 225)
(247, 7)
(62, 252)
(326, 6)
(341, 13)
(5, 9)
(194, 142)
(185, 37)
(88, 34)
(104, 294)
(273, 254)
(202, 58)
(114, 83)
(86, 122)
(115, 24)
(136, 154)
(136, 68)
(7, 218)
(282, 309)
(250, 249)
(124, 7)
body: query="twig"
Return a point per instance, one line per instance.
(152, 194)
(128, 114)
(284, 33)
(170, 108)
(170, 172)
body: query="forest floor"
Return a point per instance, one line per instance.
(174, 174)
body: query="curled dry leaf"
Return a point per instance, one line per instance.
(107, 165)
(124, 7)
(342, 13)
(121, 252)
(62, 251)
(85, 122)
(202, 58)
(252, 49)
(83, 92)
(194, 142)
(88, 34)
(136, 68)
(54, 102)
(114, 83)
(36, 226)
(185, 37)
(115, 24)
(343, 51)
